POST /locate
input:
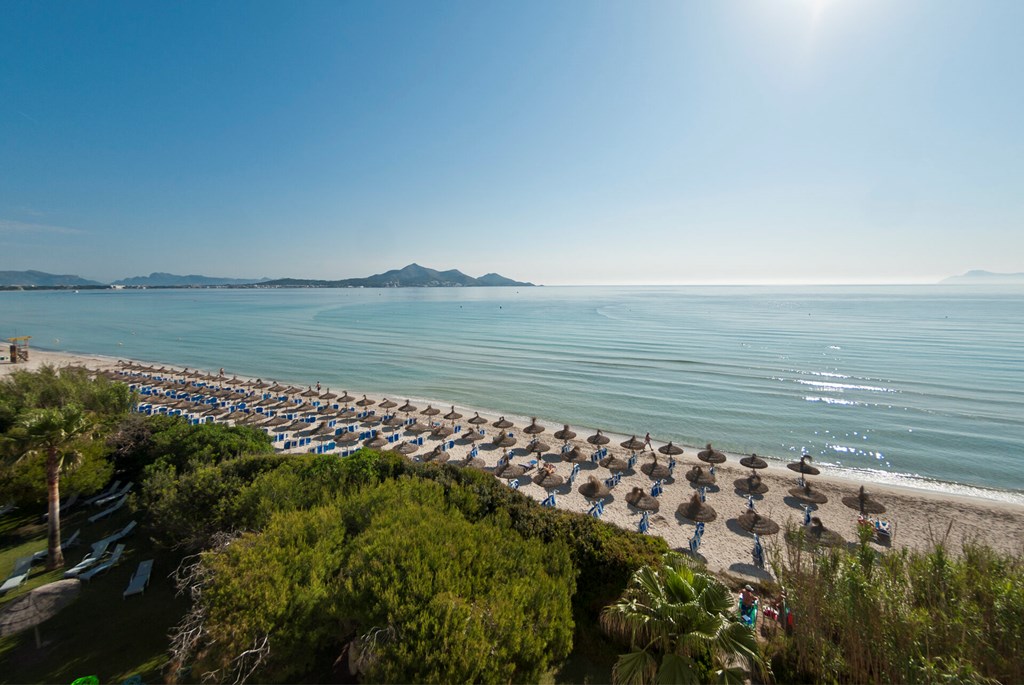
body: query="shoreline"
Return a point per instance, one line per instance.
(917, 514)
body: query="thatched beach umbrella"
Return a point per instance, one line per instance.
(753, 522)
(803, 467)
(534, 428)
(407, 408)
(696, 511)
(276, 421)
(441, 432)
(406, 448)
(472, 436)
(548, 479)
(753, 462)
(452, 415)
(347, 439)
(641, 500)
(473, 463)
(633, 444)
(345, 397)
(504, 440)
(671, 450)
(477, 420)
(863, 503)
(594, 489)
(416, 428)
(348, 414)
(438, 455)
(751, 485)
(310, 392)
(565, 433)
(510, 470)
(698, 476)
(537, 446)
(613, 463)
(503, 423)
(598, 439)
(34, 607)
(656, 471)
(394, 422)
(816, 534)
(575, 456)
(710, 455)
(328, 395)
(375, 443)
(365, 402)
(388, 404)
(236, 416)
(807, 495)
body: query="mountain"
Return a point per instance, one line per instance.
(41, 279)
(164, 280)
(979, 277)
(412, 276)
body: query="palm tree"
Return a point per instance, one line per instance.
(682, 626)
(51, 432)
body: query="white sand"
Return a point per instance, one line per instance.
(917, 516)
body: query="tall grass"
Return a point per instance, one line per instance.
(901, 616)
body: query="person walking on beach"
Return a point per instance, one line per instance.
(647, 443)
(318, 386)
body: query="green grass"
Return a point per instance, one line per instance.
(100, 634)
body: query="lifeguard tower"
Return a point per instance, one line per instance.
(19, 348)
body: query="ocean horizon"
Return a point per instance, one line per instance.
(912, 385)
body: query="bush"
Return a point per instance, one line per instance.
(427, 595)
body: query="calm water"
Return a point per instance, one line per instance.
(922, 383)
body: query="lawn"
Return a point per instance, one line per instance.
(101, 633)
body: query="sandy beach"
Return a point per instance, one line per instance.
(916, 516)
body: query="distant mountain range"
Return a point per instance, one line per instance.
(163, 280)
(978, 277)
(41, 279)
(412, 276)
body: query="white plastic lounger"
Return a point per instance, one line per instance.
(109, 510)
(22, 567)
(140, 579)
(106, 493)
(105, 566)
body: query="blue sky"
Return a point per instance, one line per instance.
(792, 141)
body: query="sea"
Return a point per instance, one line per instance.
(914, 385)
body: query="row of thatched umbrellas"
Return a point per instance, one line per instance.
(694, 509)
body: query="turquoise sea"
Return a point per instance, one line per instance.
(922, 385)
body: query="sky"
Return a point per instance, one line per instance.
(569, 142)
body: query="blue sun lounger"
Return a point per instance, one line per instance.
(140, 579)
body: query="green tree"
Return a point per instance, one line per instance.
(682, 626)
(51, 432)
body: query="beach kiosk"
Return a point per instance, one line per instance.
(19, 348)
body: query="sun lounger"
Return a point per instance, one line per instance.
(645, 522)
(65, 505)
(103, 567)
(90, 560)
(514, 484)
(549, 501)
(22, 567)
(597, 510)
(70, 542)
(111, 498)
(124, 532)
(657, 489)
(758, 552)
(140, 579)
(108, 511)
(106, 493)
